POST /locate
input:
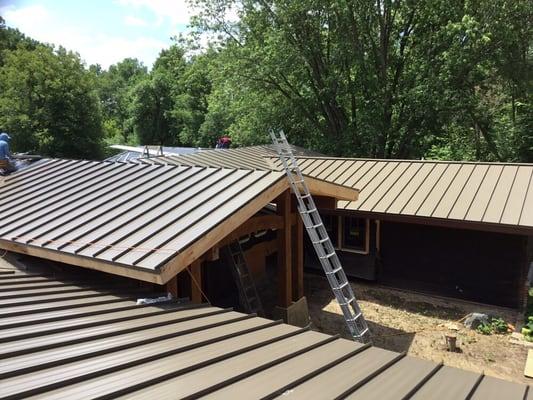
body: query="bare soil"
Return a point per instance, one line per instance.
(416, 323)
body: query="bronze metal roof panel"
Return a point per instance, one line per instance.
(133, 217)
(497, 389)
(187, 351)
(499, 194)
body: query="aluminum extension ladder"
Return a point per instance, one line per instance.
(248, 294)
(321, 242)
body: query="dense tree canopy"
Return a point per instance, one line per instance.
(382, 78)
(386, 78)
(48, 103)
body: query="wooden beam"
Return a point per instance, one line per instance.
(215, 235)
(326, 203)
(196, 281)
(320, 187)
(283, 203)
(172, 287)
(253, 225)
(298, 260)
(85, 262)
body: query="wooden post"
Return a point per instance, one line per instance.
(283, 203)
(196, 281)
(298, 259)
(172, 286)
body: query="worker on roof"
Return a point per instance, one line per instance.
(6, 163)
(224, 142)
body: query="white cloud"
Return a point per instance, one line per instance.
(37, 22)
(176, 11)
(130, 20)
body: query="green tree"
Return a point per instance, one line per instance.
(48, 103)
(382, 79)
(115, 93)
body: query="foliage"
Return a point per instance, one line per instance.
(527, 330)
(115, 92)
(405, 79)
(496, 325)
(48, 103)
(383, 79)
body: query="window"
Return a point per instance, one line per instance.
(348, 233)
(355, 234)
(331, 223)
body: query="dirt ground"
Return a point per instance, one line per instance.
(416, 323)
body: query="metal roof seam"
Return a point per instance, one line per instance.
(371, 376)
(98, 204)
(249, 173)
(475, 386)
(452, 180)
(423, 381)
(178, 372)
(369, 194)
(45, 183)
(460, 192)
(402, 188)
(111, 333)
(508, 195)
(45, 205)
(525, 197)
(475, 194)
(260, 368)
(118, 240)
(191, 242)
(120, 204)
(492, 193)
(416, 190)
(280, 391)
(430, 190)
(188, 211)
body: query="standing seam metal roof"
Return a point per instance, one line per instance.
(113, 348)
(488, 193)
(135, 215)
(491, 193)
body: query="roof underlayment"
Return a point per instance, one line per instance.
(63, 340)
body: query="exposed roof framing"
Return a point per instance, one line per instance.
(108, 347)
(138, 220)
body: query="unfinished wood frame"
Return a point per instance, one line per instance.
(298, 260)
(195, 270)
(283, 203)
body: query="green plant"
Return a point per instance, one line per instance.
(496, 325)
(527, 330)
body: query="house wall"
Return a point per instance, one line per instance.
(486, 267)
(479, 266)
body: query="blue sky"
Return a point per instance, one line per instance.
(102, 32)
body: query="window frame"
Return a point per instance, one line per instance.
(366, 249)
(340, 234)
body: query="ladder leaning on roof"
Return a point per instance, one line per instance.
(321, 242)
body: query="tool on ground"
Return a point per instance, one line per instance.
(321, 242)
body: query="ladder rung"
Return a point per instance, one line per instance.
(327, 256)
(343, 285)
(310, 211)
(305, 196)
(315, 226)
(321, 241)
(334, 271)
(347, 302)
